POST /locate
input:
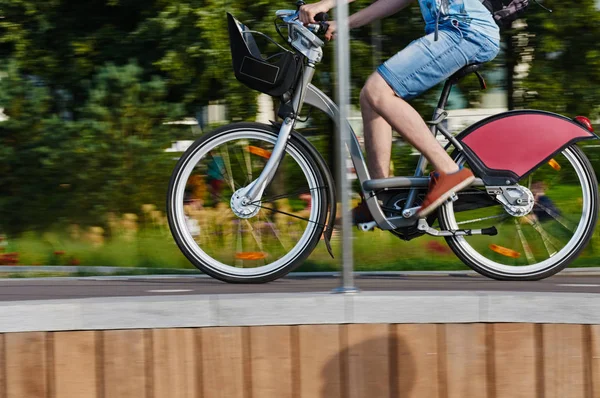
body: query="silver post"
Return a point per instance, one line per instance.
(342, 55)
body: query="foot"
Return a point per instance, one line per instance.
(442, 186)
(361, 214)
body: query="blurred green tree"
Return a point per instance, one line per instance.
(112, 159)
(553, 59)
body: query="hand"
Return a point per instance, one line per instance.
(308, 11)
(331, 31)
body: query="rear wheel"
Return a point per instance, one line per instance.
(251, 242)
(556, 228)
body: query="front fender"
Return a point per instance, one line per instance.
(326, 173)
(510, 145)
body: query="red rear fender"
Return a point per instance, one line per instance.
(515, 143)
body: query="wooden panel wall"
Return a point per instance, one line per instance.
(317, 361)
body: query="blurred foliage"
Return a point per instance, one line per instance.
(110, 160)
(88, 87)
(565, 70)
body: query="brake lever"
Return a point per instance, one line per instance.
(322, 19)
(318, 27)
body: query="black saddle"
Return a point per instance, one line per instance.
(464, 71)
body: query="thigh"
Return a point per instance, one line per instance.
(425, 62)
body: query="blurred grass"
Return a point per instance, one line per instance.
(149, 249)
(377, 250)
(373, 251)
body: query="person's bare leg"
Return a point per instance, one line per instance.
(378, 140)
(406, 121)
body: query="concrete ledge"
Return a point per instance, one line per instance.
(295, 309)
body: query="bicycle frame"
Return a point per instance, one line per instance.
(308, 94)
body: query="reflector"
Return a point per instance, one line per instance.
(251, 255)
(554, 164)
(504, 251)
(259, 151)
(585, 122)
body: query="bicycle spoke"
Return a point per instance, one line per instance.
(502, 218)
(253, 233)
(243, 159)
(549, 242)
(524, 243)
(285, 196)
(227, 162)
(279, 211)
(291, 215)
(226, 176)
(561, 220)
(239, 247)
(273, 228)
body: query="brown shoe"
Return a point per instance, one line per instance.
(442, 186)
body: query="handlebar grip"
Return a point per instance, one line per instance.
(322, 17)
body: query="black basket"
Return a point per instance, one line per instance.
(274, 76)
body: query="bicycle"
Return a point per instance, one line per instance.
(279, 197)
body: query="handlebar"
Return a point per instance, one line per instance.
(321, 26)
(322, 17)
(305, 38)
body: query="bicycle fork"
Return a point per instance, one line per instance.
(251, 194)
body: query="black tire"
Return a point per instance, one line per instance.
(298, 152)
(555, 263)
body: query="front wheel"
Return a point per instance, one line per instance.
(549, 237)
(259, 241)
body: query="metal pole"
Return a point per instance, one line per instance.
(342, 56)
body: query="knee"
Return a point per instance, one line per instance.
(364, 98)
(375, 92)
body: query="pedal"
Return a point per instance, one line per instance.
(424, 227)
(367, 226)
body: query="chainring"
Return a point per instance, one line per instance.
(393, 205)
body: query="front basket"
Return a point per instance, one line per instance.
(274, 75)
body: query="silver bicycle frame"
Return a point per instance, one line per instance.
(307, 93)
(258, 186)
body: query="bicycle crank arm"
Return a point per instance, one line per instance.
(423, 226)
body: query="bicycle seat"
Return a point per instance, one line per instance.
(471, 68)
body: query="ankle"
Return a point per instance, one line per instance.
(449, 170)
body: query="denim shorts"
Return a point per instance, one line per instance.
(424, 63)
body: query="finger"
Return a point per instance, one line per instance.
(307, 15)
(306, 19)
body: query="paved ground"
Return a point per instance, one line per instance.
(70, 288)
